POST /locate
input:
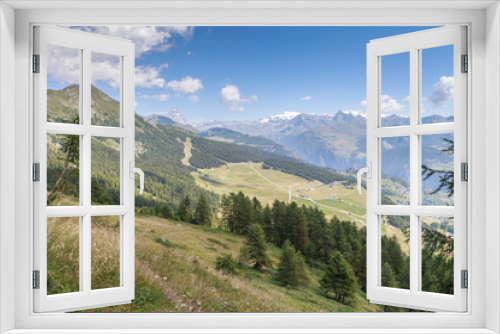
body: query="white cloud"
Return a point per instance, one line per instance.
(148, 76)
(63, 66)
(156, 97)
(193, 98)
(389, 105)
(145, 38)
(407, 99)
(306, 98)
(64, 63)
(442, 92)
(186, 85)
(189, 53)
(231, 95)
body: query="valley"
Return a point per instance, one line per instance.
(240, 180)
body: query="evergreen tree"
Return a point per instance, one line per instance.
(255, 249)
(203, 214)
(184, 211)
(99, 195)
(164, 210)
(388, 278)
(226, 209)
(302, 231)
(321, 236)
(279, 217)
(268, 224)
(292, 270)
(256, 211)
(339, 278)
(309, 252)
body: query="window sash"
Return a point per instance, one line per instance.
(413, 43)
(86, 297)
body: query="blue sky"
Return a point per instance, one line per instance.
(245, 73)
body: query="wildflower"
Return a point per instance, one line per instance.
(161, 284)
(165, 278)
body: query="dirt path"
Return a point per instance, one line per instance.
(187, 151)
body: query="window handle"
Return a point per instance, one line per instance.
(368, 171)
(135, 170)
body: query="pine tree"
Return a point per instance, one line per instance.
(203, 214)
(339, 278)
(321, 235)
(267, 224)
(184, 211)
(292, 270)
(388, 278)
(226, 209)
(309, 252)
(164, 210)
(302, 238)
(255, 249)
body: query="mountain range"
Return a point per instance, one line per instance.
(333, 141)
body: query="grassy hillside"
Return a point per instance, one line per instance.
(175, 271)
(336, 199)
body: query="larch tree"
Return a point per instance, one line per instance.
(203, 214)
(255, 249)
(292, 270)
(339, 279)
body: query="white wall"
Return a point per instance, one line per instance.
(7, 162)
(492, 165)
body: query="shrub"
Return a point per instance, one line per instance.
(226, 263)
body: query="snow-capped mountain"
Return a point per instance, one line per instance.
(337, 141)
(176, 116)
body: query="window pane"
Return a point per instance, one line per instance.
(105, 186)
(395, 90)
(437, 254)
(106, 79)
(437, 85)
(395, 171)
(63, 170)
(63, 255)
(437, 169)
(105, 252)
(63, 84)
(395, 252)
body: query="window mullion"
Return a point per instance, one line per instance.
(85, 255)
(414, 169)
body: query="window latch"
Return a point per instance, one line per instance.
(134, 170)
(368, 171)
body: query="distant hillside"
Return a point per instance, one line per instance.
(230, 136)
(155, 119)
(335, 141)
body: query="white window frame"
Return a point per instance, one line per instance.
(86, 44)
(414, 43)
(483, 102)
